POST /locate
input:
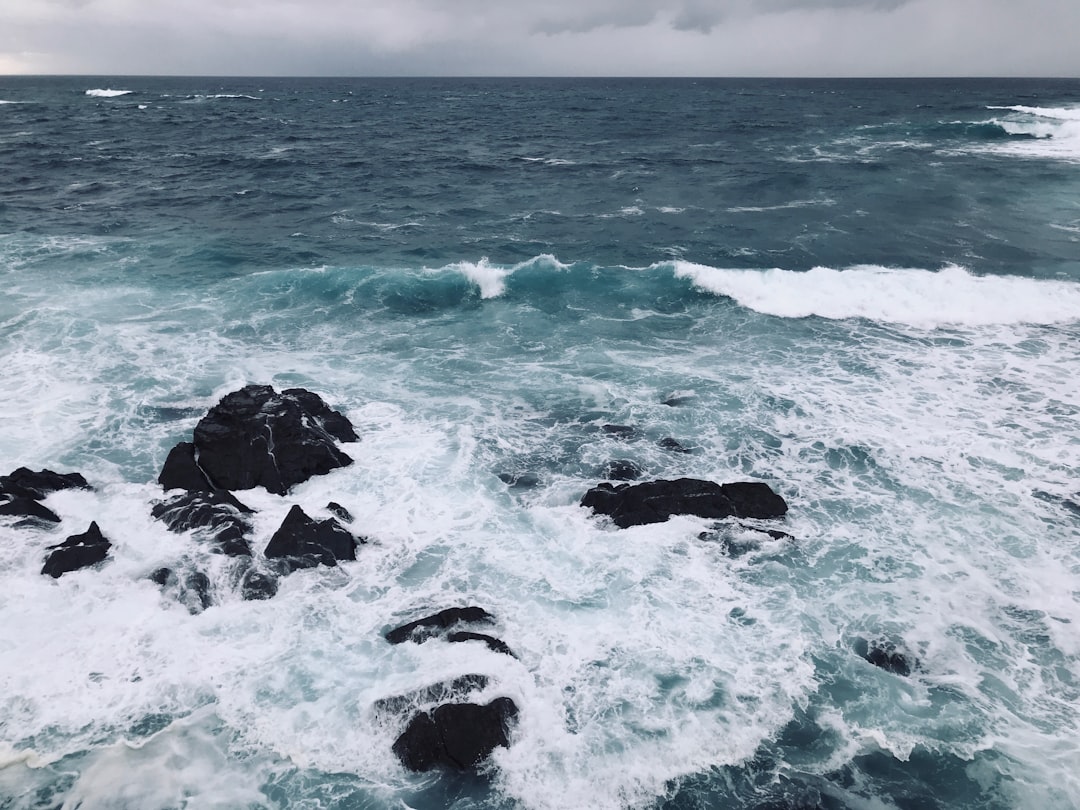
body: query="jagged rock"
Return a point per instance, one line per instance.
(493, 644)
(212, 515)
(339, 511)
(885, 655)
(656, 501)
(78, 551)
(258, 437)
(622, 470)
(441, 692)
(25, 483)
(458, 736)
(673, 446)
(438, 623)
(306, 542)
(257, 585)
(22, 507)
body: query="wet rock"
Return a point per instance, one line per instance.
(524, 480)
(162, 576)
(258, 437)
(78, 551)
(673, 446)
(438, 623)
(258, 585)
(441, 692)
(306, 542)
(493, 644)
(213, 516)
(25, 483)
(340, 512)
(458, 736)
(678, 399)
(34, 512)
(197, 587)
(885, 655)
(622, 432)
(622, 470)
(656, 501)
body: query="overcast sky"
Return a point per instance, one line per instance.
(548, 38)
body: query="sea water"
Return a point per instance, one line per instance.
(864, 293)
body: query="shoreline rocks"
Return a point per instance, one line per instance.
(77, 551)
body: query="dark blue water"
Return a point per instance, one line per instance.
(865, 293)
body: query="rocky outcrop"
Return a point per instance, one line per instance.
(258, 437)
(458, 736)
(33, 512)
(304, 542)
(656, 501)
(438, 624)
(25, 483)
(213, 516)
(78, 551)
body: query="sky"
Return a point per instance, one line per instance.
(548, 38)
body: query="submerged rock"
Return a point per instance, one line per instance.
(34, 512)
(622, 470)
(656, 501)
(458, 736)
(78, 551)
(306, 542)
(441, 692)
(340, 512)
(673, 445)
(258, 437)
(258, 585)
(493, 644)
(212, 515)
(885, 655)
(438, 624)
(193, 591)
(25, 483)
(520, 480)
(622, 432)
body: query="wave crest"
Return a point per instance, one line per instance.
(107, 93)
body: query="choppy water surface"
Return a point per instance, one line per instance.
(866, 294)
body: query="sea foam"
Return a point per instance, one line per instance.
(108, 93)
(951, 296)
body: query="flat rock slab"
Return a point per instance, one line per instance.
(438, 624)
(78, 551)
(258, 437)
(458, 736)
(656, 501)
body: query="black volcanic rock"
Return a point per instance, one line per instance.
(258, 437)
(885, 655)
(656, 501)
(493, 644)
(306, 542)
(438, 623)
(25, 483)
(78, 551)
(340, 512)
(458, 736)
(212, 515)
(28, 508)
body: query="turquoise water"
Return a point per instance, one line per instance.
(866, 294)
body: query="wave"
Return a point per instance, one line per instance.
(1044, 132)
(108, 93)
(1058, 113)
(951, 296)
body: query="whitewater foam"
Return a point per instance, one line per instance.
(927, 299)
(108, 93)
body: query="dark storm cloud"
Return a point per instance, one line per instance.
(555, 37)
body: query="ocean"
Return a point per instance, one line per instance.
(864, 293)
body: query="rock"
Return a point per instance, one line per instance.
(258, 437)
(78, 551)
(193, 592)
(212, 515)
(36, 513)
(162, 576)
(524, 480)
(679, 398)
(306, 542)
(434, 625)
(458, 736)
(182, 471)
(622, 432)
(340, 512)
(25, 483)
(622, 470)
(258, 585)
(493, 644)
(885, 655)
(673, 446)
(656, 501)
(429, 695)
